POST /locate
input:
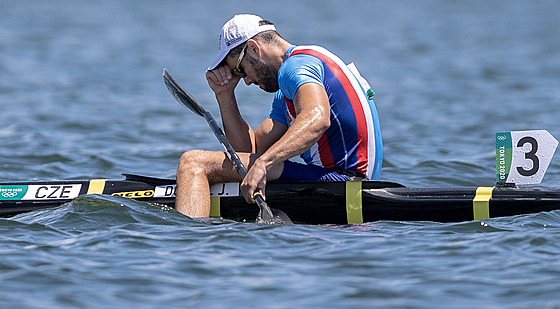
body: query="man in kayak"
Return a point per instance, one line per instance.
(322, 110)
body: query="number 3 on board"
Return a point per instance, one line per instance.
(522, 157)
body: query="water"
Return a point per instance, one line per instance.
(81, 96)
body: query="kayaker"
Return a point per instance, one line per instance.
(322, 110)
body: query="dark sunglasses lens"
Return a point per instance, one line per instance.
(238, 72)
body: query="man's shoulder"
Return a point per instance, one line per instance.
(304, 48)
(308, 57)
(312, 51)
(299, 61)
(298, 71)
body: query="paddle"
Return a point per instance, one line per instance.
(266, 215)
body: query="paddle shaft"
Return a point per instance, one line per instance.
(232, 155)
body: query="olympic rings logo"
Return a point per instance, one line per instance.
(9, 194)
(501, 137)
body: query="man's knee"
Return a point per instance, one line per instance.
(192, 160)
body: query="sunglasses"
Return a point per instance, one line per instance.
(238, 70)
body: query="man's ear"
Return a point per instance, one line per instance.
(254, 48)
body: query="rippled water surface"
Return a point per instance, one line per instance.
(81, 96)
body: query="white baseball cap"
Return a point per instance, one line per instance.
(236, 31)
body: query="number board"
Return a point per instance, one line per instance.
(522, 157)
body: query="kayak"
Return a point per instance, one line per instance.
(522, 157)
(304, 202)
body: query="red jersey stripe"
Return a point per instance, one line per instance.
(362, 133)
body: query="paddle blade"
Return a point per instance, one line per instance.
(181, 95)
(269, 215)
(278, 218)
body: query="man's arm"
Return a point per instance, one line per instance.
(237, 130)
(313, 119)
(268, 133)
(239, 133)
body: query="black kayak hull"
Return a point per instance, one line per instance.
(303, 202)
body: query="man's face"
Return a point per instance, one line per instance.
(266, 76)
(257, 72)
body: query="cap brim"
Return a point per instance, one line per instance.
(221, 56)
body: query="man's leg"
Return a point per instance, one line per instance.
(198, 169)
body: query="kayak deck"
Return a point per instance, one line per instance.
(303, 202)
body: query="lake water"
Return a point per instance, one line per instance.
(81, 96)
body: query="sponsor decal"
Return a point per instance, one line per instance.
(12, 193)
(135, 194)
(231, 41)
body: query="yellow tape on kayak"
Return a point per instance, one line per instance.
(215, 207)
(481, 203)
(354, 202)
(96, 186)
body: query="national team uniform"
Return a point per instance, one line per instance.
(352, 144)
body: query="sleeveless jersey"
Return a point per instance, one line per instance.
(353, 140)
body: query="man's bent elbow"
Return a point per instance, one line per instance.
(322, 123)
